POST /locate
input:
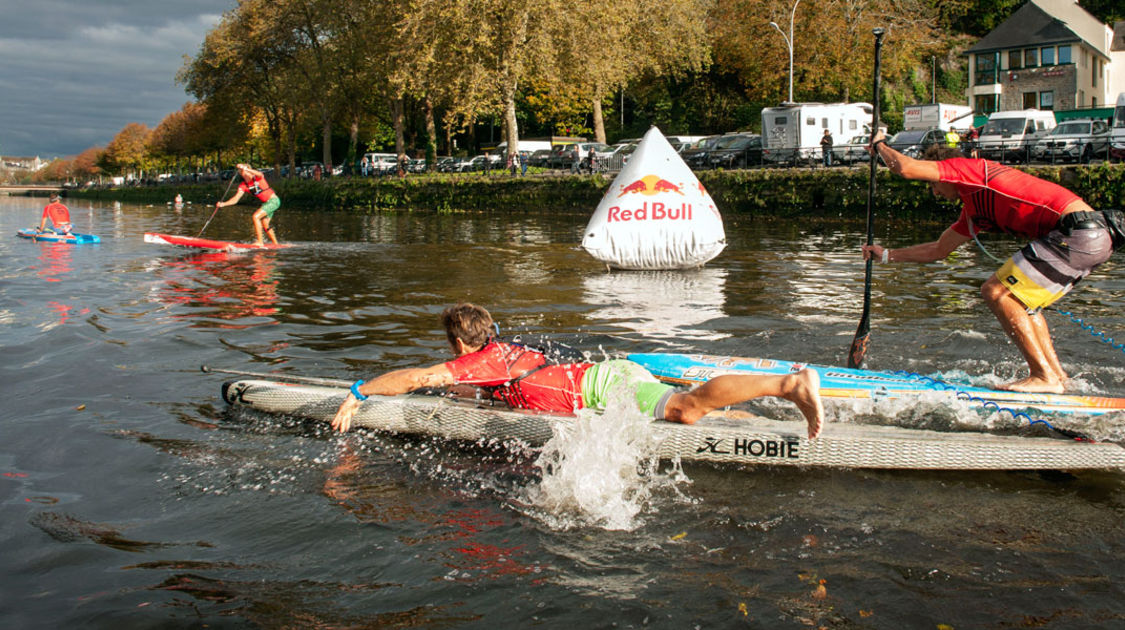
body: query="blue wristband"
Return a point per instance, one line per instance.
(355, 391)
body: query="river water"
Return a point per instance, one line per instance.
(132, 498)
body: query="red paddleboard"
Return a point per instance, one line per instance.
(208, 243)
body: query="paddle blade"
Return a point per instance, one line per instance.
(858, 350)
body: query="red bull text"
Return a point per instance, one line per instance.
(655, 211)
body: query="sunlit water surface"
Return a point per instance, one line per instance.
(133, 498)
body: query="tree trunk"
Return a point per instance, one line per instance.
(431, 133)
(353, 141)
(511, 125)
(326, 136)
(400, 136)
(599, 121)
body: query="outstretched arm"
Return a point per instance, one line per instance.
(391, 384)
(902, 165)
(232, 201)
(923, 252)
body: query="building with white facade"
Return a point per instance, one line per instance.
(1050, 54)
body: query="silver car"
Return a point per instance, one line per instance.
(1074, 141)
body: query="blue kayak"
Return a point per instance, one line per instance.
(51, 237)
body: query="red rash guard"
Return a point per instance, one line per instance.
(554, 388)
(57, 213)
(999, 198)
(259, 188)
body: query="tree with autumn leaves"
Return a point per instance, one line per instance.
(276, 77)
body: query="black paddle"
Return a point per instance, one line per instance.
(216, 205)
(863, 333)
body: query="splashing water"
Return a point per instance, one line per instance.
(602, 472)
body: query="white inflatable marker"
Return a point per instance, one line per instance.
(656, 214)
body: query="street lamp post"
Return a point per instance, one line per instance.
(789, 43)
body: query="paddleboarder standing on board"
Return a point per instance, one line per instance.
(522, 377)
(1068, 240)
(58, 214)
(254, 182)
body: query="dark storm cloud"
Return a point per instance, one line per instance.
(73, 73)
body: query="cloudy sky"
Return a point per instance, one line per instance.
(74, 72)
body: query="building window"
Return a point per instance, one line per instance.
(1047, 100)
(1031, 57)
(987, 67)
(1047, 55)
(1094, 72)
(986, 103)
(1064, 54)
(1030, 100)
(1015, 59)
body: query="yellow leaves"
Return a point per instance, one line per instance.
(743, 609)
(679, 536)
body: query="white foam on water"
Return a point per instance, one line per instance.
(603, 472)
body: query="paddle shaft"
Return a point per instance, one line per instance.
(327, 382)
(231, 183)
(863, 333)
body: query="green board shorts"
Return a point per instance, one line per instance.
(271, 206)
(602, 379)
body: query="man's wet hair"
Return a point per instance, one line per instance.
(470, 323)
(939, 152)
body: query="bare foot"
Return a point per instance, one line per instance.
(1035, 385)
(806, 394)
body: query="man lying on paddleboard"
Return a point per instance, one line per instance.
(1069, 239)
(523, 377)
(254, 182)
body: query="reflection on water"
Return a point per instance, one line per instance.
(660, 303)
(220, 285)
(54, 261)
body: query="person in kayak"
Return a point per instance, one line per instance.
(523, 377)
(1068, 240)
(254, 182)
(58, 214)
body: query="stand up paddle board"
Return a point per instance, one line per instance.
(688, 369)
(51, 237)
(209, 244)
(721, 437)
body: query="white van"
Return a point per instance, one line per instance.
(526, 146)
(792, 133)
(1010, 136)
(937, 116)
(1117, 133)
(381, 163)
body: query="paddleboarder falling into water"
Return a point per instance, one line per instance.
(254, 182)
(522, 377)
(1069, 239)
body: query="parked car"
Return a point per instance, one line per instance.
(914, 142)
(696, 155)
(736, 150)
(1010, 136)
(621, 155)
(855, 150)
(449, 164)
(1074, 140)
(539, 158)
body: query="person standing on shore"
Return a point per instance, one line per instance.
(826, 147)
(254, 182)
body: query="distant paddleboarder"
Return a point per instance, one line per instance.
(1069, 239)
(58, 214)
(254, 182)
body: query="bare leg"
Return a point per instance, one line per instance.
(257, 220)
(802, 388)
(1030, 335)
(269, 231)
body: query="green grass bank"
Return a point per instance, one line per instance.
(764, 193)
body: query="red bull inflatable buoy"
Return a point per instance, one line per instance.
(656, 214)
